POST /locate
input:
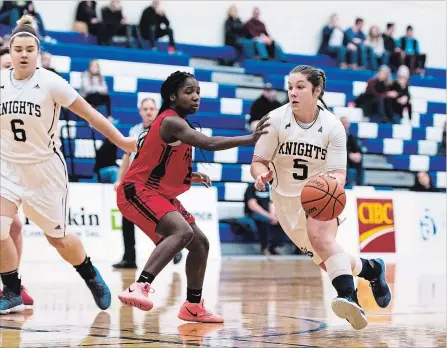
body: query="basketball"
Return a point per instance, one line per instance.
(323, 198)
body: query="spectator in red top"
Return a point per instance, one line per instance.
(373, 100)
(265, 45)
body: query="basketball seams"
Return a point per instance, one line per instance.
(332, 195)
(327, 192)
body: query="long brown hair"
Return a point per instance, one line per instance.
(99, 71)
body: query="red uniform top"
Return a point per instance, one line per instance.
(161, 167)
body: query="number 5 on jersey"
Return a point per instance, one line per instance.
(19, 133)
(300, 164)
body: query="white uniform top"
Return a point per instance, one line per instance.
(298, 153)
(139, 132)
(29, 115)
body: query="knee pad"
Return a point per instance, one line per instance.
(5, 226)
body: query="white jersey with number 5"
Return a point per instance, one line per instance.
(29, 115)
(299, 152)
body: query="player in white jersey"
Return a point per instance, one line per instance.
(16, 226)
(33, 171)
(148, 112)
(306, 140)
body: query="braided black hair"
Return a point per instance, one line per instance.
(316, 77)
(171, 86)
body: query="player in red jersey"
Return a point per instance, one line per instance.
(162, 170)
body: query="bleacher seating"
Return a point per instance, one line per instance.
(133, 74)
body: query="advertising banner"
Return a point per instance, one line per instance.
(92, 214)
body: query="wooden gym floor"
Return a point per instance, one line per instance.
(266, 303)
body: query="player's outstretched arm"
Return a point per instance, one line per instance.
(83, 109)
(175, 128)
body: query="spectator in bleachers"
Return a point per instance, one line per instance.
(115, 24)
(106, 169)
(10, 13)
(266, 47)
(263, 105)
(333, 41)
(94, 88)
(355, 39)
(390, 46)
(259, 207)
(373, 101)
(5, 40)
(5, 59)
(442, 145)
(402, 100)
(236, 35)
(45, 61)
(86, 20)
(355, 154)
(411, 53)
(41, 31)
(379, 56)
(154, 24)
(422, 183)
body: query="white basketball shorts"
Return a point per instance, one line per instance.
(42, 189)
(293, 221)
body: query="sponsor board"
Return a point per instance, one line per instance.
(376, 225)
(92, 215)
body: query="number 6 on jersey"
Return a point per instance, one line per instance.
(19, 133)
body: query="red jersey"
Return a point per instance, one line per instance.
(162, 167)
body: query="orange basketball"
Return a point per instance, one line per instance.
(323, 198)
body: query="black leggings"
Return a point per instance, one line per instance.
(97, 99)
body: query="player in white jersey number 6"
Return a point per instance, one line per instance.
(305, 140)
(33, 171)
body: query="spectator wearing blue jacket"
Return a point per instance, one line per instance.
(356, 45)
(411, 53)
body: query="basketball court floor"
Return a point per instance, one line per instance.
(276, 302)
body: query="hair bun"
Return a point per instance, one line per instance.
(27, 21)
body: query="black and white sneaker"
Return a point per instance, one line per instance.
(347, 307)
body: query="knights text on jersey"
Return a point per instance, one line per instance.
(161, 167)
(299, 152)
(29, 115)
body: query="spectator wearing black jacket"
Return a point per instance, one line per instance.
(237, 36)
(86, 16)
(394, 60)
(333, 41)
(115, 24)
(263, 105)
(355, 153)
(154, 24)
(258, 206)
(422, 183)
(402, 100)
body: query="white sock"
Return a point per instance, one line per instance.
(358, 267)
(337, 265)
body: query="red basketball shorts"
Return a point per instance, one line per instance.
(145, 208)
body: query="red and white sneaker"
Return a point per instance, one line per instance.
(137, 295)
(27, 299)
(197, 312)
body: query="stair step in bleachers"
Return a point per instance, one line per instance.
(276, 68)
(117, 54)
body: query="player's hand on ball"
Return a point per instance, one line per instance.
(129, 145)
(263, 179)
(261, 128)
(200, 178)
